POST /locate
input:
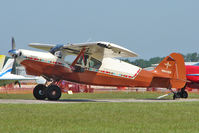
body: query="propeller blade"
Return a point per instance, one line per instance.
(13, 43)
(14, 52)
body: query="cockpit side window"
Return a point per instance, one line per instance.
(94, 63)
(87, 61)
(83, 60)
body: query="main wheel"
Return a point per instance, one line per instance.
(39, 92)
(53, 92)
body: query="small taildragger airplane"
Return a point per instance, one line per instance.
(6, 76)
(95, 64)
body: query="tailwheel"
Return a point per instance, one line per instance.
(176, 95)
(180, 94)
(39, 92)
(184, 94)
(53, 92)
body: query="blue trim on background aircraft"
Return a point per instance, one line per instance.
(192, 74)
(2, 74)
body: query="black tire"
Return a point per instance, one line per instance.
(53, 92)
(184, 94)
(39, 92)
(174, 96)
(177, 95)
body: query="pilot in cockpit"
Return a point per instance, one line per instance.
(58, 54)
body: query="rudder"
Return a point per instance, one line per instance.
(173, 69)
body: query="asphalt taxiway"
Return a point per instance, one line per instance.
(66, 101)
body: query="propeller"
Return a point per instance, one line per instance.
(14, 53)
(13, 43)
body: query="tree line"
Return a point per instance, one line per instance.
(190, 57)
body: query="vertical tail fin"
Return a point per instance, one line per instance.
(172, 68)
(8, 66)
(2, 59)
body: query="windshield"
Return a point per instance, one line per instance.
(85, 61)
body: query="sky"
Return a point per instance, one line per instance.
(149, 28)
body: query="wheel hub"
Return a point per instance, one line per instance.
(53, 93)
(41, 92)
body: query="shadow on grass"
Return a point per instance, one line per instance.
(76, 100)
(110, 100)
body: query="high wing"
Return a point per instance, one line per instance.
(103, 49)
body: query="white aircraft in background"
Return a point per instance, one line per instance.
(6, 77)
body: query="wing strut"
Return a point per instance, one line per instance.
(77, 58)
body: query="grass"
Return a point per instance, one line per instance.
(100, 118)
(108, 95)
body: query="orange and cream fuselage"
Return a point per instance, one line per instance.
(112, 72)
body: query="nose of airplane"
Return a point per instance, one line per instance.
(14, 53)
